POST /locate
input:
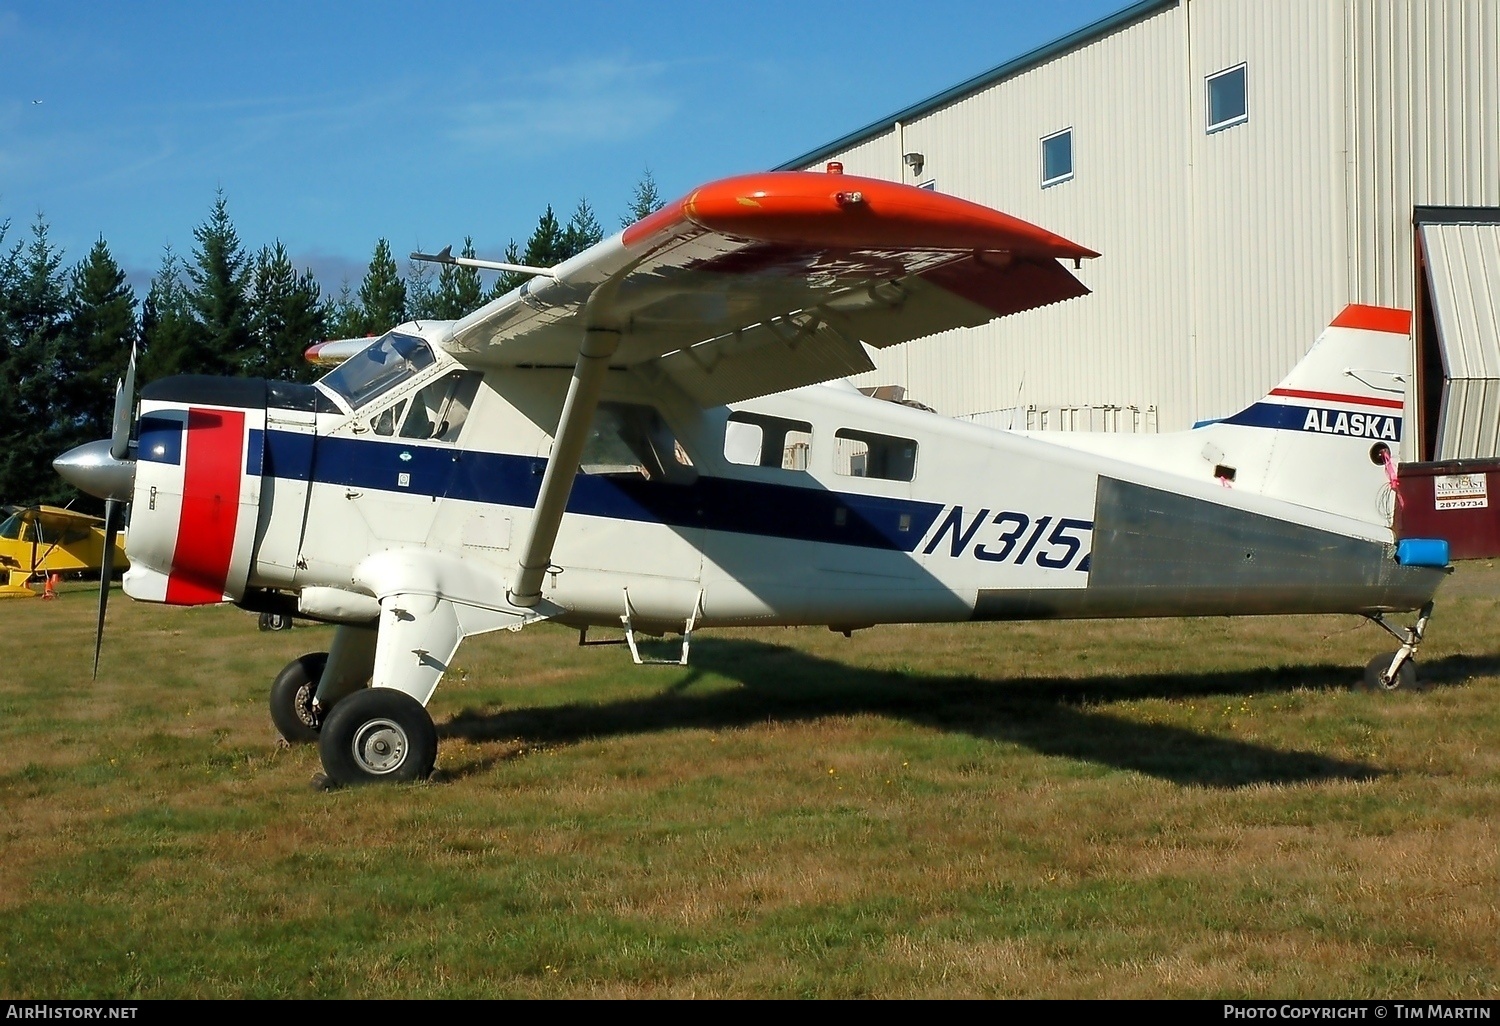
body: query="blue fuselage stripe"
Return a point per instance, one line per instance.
(710, 503)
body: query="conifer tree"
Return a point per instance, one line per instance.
(382, 294)
(459, 290)
(342, 314)
(545, 247)
(12, 421)
(583, 230)
(421, 292)
(37, 318)
(220, 275)
(101, 328)
(645, 201)
(508, 280)
(171, 335)
(287, 316)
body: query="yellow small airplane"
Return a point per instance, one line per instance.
(38, 541)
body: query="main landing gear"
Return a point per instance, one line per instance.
(1391, 671)
(364, 734)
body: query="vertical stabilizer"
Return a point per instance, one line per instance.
(1323, 436)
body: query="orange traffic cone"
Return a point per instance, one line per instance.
(53, 580)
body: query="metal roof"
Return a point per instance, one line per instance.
(1103, 27)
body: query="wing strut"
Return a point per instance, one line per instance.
(601, 337)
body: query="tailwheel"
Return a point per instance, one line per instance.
(1378, 676)
(1397, 671)
(375, 735)
(292, 693)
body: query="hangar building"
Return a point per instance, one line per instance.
(1246, 168)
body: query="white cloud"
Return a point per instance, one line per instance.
(587, 102)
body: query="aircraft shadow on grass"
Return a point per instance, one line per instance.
(1063, 717)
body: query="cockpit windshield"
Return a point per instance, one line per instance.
(379, 368)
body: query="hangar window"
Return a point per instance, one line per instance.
(864, 454)
(1057, 157)
(1227, 104)
(756, 440)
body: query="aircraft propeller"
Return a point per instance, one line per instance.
(106, 469)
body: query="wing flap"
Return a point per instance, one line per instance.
(764, 358)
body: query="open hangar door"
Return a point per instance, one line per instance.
(1458, 332)
(1454, 492)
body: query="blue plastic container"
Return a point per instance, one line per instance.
(1422, 552)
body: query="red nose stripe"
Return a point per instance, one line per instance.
(210, 506)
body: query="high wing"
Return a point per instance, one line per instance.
(754, 285)
(766, 282)
(52, 519)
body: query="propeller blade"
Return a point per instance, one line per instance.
(112, 515)
(119, 443)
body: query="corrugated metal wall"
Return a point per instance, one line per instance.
(1224, 254)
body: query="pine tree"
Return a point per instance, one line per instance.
(545, 247)
(287, 316)
(583, 230)
(421, 292)
(12, 420)
(459, 290)
(101, 328)
(382, 295)
(171, 335)
(38, 319)
(644, 202)
(343, 315)
(220, 275)
(508, 280)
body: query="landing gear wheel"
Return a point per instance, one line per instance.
(1406, 677)
(275, 621)
(378, 735)
(292, 698)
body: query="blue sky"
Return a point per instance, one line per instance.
(329, 125)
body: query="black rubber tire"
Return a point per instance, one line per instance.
(275, 622)
(1406, 677)
(291, 698)
(378, 735)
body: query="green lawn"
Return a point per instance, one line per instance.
(1185, 808)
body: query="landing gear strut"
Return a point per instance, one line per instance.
(1398, 669)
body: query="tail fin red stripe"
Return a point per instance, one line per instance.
(1374, 318)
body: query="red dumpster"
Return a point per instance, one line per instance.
(1456, 500)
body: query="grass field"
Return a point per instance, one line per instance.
(1186, 808)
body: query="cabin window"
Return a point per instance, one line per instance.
(1227, 102)
(864, 454)
(1057, 157)
(386, 420)
(438, 411)
(631, 440)
(756, 440)
(16, 528)
(378, 368)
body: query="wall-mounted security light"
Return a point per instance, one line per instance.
(913, 161)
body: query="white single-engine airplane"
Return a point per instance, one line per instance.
(642, 435)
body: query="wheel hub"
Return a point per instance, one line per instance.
(380, 746)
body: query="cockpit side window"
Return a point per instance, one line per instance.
(438, 412)
(379, 368)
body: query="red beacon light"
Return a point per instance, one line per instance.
(835, 167)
